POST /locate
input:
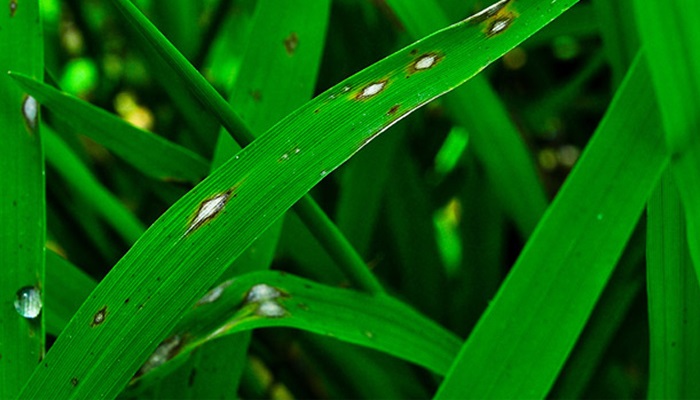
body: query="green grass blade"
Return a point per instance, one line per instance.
(362, 185)
(66, 289)
(318, 223)
(275, 78)
(22, 198)
(378, 322)
(532, 324)
(85, 185)
(181, 255)
(495, 138)
(410, 215)
(619, 34)
(674, 299)
(613, 307)
(671, 38)
(151, 154)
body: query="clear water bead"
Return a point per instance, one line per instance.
(28, 302)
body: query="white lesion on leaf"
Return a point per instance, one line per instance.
(372, 89)
(209, 209)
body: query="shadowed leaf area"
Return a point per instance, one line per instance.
(349, 199)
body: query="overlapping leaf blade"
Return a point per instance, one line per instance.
(181, 254)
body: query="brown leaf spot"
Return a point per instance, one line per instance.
(393, 109)
(256, 95)
(13, 8)
(99, 317)
(291, 43)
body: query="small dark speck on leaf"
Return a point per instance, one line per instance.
(393, 109)
(316, 111)
(13, 8)
(99, 317)
(256, 95)
(413, 52)
(291, 43)
(190, 380)
(74, 381)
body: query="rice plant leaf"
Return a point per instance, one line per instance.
(276, 299)
(22, 199)
(183, 252)
(82, 182)
(175, 63)
(610, 312)
(275, 78)
(532, 324)
(671, 37)
(66, 289)
(494, 136)
(674, 298)
(151, 154)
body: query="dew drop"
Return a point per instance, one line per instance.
(262, 292)
(30, 110)
(297, 150)
(323, 173)
(214, 294)
(28, 302)
(285, 156)
(271, 309)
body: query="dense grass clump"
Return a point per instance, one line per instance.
(449, 199)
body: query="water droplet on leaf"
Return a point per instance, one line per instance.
(30, 110)
(28, 302)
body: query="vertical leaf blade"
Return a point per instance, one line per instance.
(22, 203)
(532, 324)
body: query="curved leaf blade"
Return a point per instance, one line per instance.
(151, 154)
(532, 324)
(183, 252)
(378, 322)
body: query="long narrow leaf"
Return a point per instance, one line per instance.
(22, 200)
(377, 322)
(674, 299)
(531, 326)
(142, 297)
(151, 154)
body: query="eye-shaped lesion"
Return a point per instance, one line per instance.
(209, 209)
